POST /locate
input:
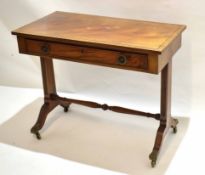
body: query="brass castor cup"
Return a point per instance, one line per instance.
(35, 130)
(174, 130)
(66, 108)
(38, 136)
(153, 157)
(174, 126)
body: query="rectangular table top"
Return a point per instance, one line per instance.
(100, 31)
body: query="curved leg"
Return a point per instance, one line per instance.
(158, 141)
(49, 88)
(161, 132)
(45, 109)
(166, 121)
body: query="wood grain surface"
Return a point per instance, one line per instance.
(102, 31)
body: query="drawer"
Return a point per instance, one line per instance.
(87, 54)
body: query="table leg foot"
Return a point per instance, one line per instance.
(35, 130)
(153, 157)
(174, 123)
(66, 107)
(158, 142)
(48, 106)
(161, 132)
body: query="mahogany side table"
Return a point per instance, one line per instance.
(105, 41)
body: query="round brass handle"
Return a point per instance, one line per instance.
(45, 48)
(122, 59)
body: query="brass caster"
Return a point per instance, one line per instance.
(153, 163)
(153, 158)
(175, 130)
(38, 136)
(174, 125)
(35, 130)
(66, 108)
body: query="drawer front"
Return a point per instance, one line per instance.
(87, 54)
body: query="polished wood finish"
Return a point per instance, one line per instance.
(102, 31)
(111, 34)
(112, 42)
(47, 70)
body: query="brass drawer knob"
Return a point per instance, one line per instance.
(122, 59)
(45, 48)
